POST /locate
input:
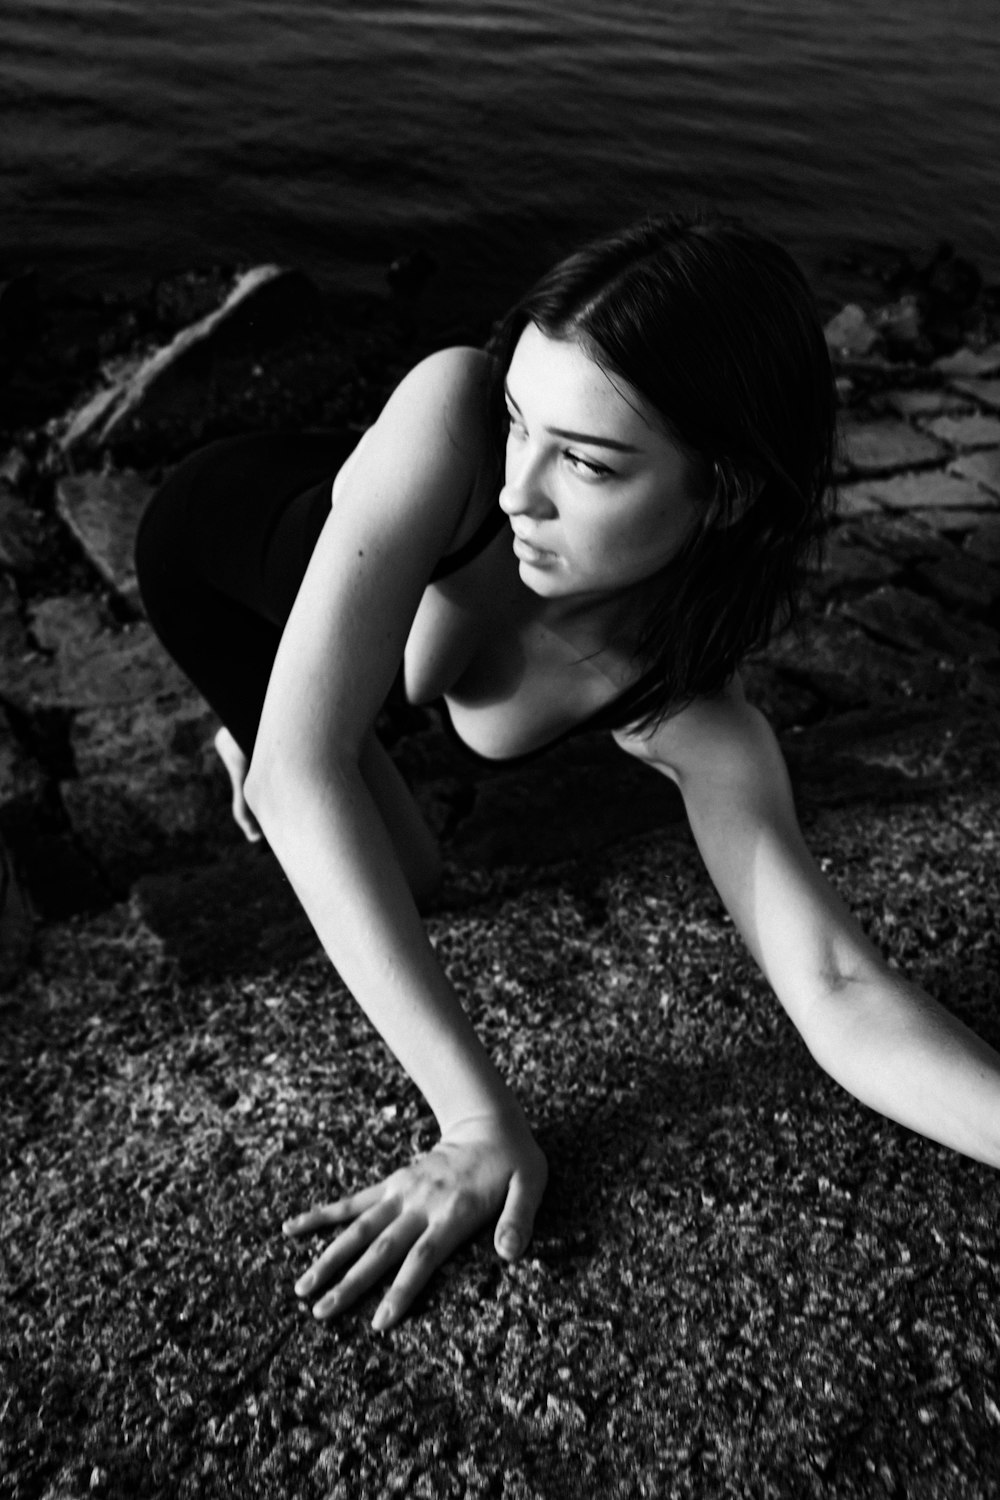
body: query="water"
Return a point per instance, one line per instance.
(138, 137)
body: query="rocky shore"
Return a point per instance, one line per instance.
(827, 1320)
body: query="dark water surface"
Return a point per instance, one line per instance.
(138, 136)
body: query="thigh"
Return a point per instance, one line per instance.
(220, 556)
(242, 515)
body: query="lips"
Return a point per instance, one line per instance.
(529, 549)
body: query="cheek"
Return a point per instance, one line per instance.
(650, 536)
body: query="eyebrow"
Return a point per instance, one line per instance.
(578, 437)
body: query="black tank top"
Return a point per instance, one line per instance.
(617, 714)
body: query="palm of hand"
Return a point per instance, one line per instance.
(412, 1220)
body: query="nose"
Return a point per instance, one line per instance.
(525, 492)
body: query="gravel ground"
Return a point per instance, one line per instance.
(743, 1283)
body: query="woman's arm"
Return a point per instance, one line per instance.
(879, 1035)
(395, 515)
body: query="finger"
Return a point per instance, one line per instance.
(245, 820)
(382, 1256)
(415, 1272)
(329, 1215)
(517, 1221)
(345, 1248)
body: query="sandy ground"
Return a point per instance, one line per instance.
(743, 1282)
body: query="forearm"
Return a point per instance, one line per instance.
(897, 1050)
(333, 844)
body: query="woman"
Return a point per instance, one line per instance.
(664, 400)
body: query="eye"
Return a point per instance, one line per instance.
(586, 465)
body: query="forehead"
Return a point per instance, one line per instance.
(567, 388)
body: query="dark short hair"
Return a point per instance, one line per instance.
(715, 326)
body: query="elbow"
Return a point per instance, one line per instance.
(255, 791)
(273, 792)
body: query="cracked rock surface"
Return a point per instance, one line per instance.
(742, 1283)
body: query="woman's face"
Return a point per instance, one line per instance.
(598, 495)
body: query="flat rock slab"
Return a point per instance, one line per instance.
(970, 362)
(963, 582)
(265, 307)
(880, 447)
(20, 533)
(149, 791)
(856, 500)
(932, 489)
(17, 923)
(847, 562)
(912, 623)
(983, 469)
(918, 403)
(983, 541)
(103, 511)
(903, 538)
(972, 430)
(847, 668)
(985, 392)
(22, 781)
(89, 665)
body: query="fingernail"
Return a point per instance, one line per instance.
(510, 1241)
(325, 1306)
(304, 1284)
(383, 1315)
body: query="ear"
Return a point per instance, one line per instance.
(734, 490)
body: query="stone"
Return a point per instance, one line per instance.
(962, 581)
(953, 523)
(149, 792)
(970, 362)
(783, 701)
(89, 665)
(22, 780)
(901, 325)
(904, 538)
(973, 430)
(17, 925)
(922, 403)
(932, 489)
(845, 667)
(850, 333)
(912, 623)
(880, 447)
(22, 669)
(884, 753)
(23, 788)
(847, 562)
(103, 511)
(984, 541)
(982, 468)
(264, 309)
(20, 533)
(15, 468)
(986, 392)
(856, 500)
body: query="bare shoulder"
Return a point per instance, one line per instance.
(420, 461)
(721, 739)
(446, 394)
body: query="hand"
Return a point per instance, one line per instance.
(415, 1218)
